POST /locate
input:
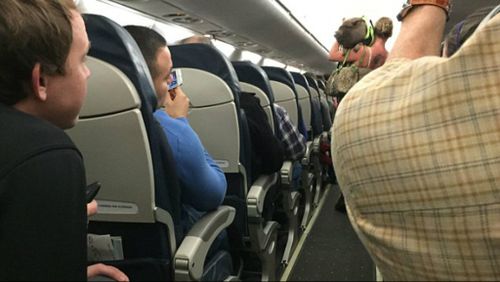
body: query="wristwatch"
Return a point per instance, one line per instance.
(444, 4)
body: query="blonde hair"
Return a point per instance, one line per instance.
(196, 39)
(383, 27)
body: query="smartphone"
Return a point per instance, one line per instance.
(176, 79)
(92, 191)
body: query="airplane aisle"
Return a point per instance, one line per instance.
(332, 251)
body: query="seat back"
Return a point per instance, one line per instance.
(325, 106)
(321, 84)
(313, 87)
(304, 98)
(318, 123)
(214, 105)
(126, 150)
(212, 86)
(254, 79)
(113, 44)
(110, 124)
(284, 91)
(329, 100)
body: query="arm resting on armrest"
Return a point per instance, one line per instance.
(190, 257)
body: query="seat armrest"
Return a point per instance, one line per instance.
(191, 254)
(165, 218)
(306, 159)
(286, 172)
(258, 192)
(324, 136)
(316, 144)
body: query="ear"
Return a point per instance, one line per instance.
(39, 83)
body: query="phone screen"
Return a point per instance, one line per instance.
(174, 83)
(176, 76)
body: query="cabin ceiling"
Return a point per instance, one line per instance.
(260, 26)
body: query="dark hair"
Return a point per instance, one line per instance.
(149, 42)
(464, 29)
(32, 32)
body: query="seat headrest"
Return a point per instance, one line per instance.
(253, 74)
(109, 91)
(280, 75)
(300, 80)
(312, 83)
(208, 58)
(321, 84)
(111, 43)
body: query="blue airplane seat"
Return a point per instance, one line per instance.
(310, 162)
(284, 76)
(312, 82)
(317, 118)
(251, 73)
(306, 105)
(212, 86)
(208, 58)
(286, 95)
(321, 84)
(112, 43)
(153, 246)
(326, 121)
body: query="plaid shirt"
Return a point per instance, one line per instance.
(293, 142)
(416, 149)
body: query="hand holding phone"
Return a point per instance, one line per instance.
(91, 191)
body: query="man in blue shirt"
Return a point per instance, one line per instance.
(203, 182)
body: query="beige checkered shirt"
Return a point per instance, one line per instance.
(416, 148)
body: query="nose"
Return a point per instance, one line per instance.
(89, 73)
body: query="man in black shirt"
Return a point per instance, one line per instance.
(43, 83)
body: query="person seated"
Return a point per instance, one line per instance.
(267, 151)
(270, 150)
(293, 142)
(420, 180)
(202, 181)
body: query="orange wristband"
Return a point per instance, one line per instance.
(444, 4)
